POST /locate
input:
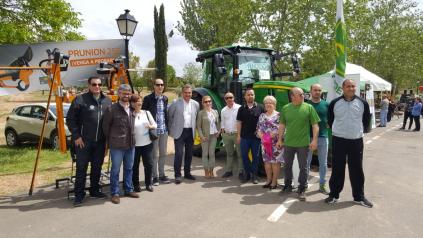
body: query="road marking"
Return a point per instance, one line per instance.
(368, 142)
(274, 217)
(277, 214)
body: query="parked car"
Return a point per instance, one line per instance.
(25, 122)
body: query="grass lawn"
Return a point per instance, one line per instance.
(21, 159)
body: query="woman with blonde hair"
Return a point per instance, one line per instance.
(267, 131)
(208, 126)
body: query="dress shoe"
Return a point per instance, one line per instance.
(115, 199)
(178, 180)
(273, 187)
(189, 176)
(164, 180)
(149, 188)
(98, 195)
(267, 185)
(132, 195)
(137, 189)
(227, 175)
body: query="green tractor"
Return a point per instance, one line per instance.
(236, 68)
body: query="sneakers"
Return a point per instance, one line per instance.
(254, 179)
(364, 202)
(323, 189)
(287, 189)
(164, 180)
(331, 200)
(155, 181)
(301, 196)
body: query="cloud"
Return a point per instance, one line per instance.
(99, 22)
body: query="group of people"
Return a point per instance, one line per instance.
(412, 111)
(249, 132)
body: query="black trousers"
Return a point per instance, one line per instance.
(407, 115)
(147, 160)
(184, 141)
(417, 122)
(343, 151)
(93, 153)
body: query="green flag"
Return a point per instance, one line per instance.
(341, 47)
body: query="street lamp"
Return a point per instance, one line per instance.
(126, 24)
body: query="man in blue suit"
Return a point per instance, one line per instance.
(182, 117)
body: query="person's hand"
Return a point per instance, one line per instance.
(313, 145)
(79, 143)
(259, 135)
(204, 139)
(279, 144)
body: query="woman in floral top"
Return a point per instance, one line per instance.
(267, 131)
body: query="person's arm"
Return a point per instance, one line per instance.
(281, 131)
(200, 126)
(152, 122)
(331, 115)
(238, 125)
(313, 144)
(259, 127)
(73, 122)
(366, 117)
(107, 121)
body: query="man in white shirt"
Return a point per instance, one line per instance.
(229, 133)
(182, 119)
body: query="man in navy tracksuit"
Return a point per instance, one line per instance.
(349, 118)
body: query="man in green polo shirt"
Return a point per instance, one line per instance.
(296, 119)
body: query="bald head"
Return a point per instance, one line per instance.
(297, 96)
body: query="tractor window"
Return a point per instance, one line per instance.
(207, 73)
(255, 66)
(223, 81)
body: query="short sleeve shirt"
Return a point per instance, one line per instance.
(297, 120)
(249, 118)
(322, 110)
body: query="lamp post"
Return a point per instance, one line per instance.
(127, 24)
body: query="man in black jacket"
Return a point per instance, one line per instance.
(84, 120)
(157, 103)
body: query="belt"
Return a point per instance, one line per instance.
(231, 133)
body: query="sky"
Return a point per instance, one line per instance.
(99, 22)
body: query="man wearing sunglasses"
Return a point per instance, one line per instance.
(156, 103)
(84, 120)
(229, 134)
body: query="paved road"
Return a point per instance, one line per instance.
(224, 208)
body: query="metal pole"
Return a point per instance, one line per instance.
(127, 63)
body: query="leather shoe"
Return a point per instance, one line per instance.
(227, 175)
(137, 189)
(189, 176)
(98, 195)
(149, 188)
(178, 180)
(115, 199)
(132, 195)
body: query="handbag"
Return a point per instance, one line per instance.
(151, 132)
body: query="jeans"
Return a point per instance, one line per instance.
(383, 117)
(184, 141)
(322, 153)
(233, 164)
(407, 115)
(417, 122)
(159, 155)
(93, 153)
(147, 161)
(250, 167)
(208, 149)
(127, 157)
(289, 155)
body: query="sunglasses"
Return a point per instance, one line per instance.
(96, 84)
(159, 85)
(229, 97)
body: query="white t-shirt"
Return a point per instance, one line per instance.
(142, 137)
(228, 116)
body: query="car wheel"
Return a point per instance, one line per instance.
(11, 138)
(54, 140)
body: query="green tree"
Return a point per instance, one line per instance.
(213, 23)
(149, 76)
(192, 74)
(137, 80)
(161, 44)
(29, 21)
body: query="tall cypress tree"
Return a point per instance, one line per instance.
(161, 44)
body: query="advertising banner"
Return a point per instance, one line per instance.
(84, 58)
